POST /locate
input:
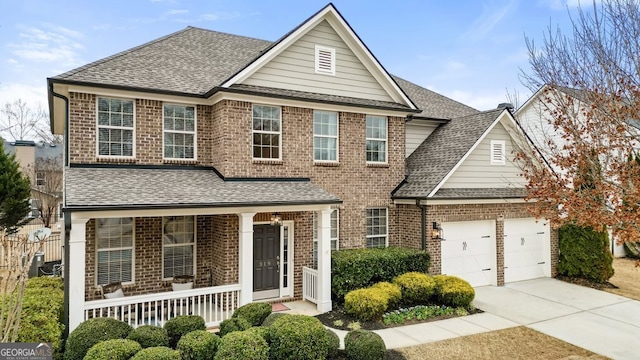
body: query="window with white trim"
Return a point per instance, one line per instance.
(376, 223)
(178, 246)
(179, 131)
(114, 250)
(267, 132)
(497, 152)
(116, 123)
(40, 178)
(325, 136)
(334, 234)
(376, 139)
(325, 60)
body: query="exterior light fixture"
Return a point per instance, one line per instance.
(436, 232)
(276, 219)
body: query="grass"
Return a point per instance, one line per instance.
(626, 278)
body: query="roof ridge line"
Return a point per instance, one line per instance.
(227, 33)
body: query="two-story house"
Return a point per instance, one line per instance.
(244, 162)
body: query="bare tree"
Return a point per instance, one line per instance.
(21, 122)
(46, 188)
(590, 81)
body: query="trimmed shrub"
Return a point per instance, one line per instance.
(233, 324)
(360, 268)
(181, 325)
(198, 345)
(453, 291)
(254, 313)
(91, 332)
(584, 253)
(333, 343)
(157, 353)
(366, 304)
(417, 288)
(46, 282)
(114, 349)
(42, 309)
(242, 345)
(149, 336)
(298, 337)
(262, 331)
(364, 345)
(269, 320)
(393, 291)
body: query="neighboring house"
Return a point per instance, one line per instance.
(182, 152)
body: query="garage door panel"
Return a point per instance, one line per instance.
(467, 251)
(524, 249)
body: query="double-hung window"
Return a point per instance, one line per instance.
(376, 139)
(179, 132)
(116, 128)
(334, 235)
(40, 178)
(267, 132)
(114, 248)
(376, 221)
(178, 246)
(325, 136)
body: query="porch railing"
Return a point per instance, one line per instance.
(310, 284)
(214, 304)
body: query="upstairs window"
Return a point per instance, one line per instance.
(497, 152)
(115, 127)
(179, 132)
(41, 178)
(325, 136)
(376, 223)
(376, 139)
(325, 60)
(267, 132)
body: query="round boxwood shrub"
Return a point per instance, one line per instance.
(333, 343)
(198, 345)
(393, 292)
(149, 336)
(453, 291)
(233, 324)
(114, 349)
(181, 325)
(254, 313)
(364, 345)
(261, 331)
(157, 353)
(366, 304)
(244, 345)
(417, 288)
(91, 332)
(298, 337)
(269, 320)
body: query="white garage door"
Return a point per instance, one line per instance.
(526, 248)
(468, 251)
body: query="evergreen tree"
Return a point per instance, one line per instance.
(15, 192)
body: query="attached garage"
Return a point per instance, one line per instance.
(526, 249)
(468, 251)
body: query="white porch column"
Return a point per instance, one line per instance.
(77, 267)
(245, 257)
(324, 261)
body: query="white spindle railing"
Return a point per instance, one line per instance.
(214, 304)
(310, 284)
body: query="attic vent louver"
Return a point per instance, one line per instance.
(325, 60)
(497, 152)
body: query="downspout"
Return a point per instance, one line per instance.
(423, 227)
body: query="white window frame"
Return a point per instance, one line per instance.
(193, 243)
(500, 146)
(41, 178)
(334, 239)
(279, 133)
(385, 140)
(98, 127)
(186, 132)
(132, 247)
(386, 234)
(321, 69)
(336, 137)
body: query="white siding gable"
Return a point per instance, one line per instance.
(295, 68)
(416, 133)
(481, 170)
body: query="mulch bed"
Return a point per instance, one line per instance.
(339, 319)
(586, 282)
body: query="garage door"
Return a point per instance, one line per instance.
(468, 251)
(526, 244)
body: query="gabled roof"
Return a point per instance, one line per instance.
(437, 157)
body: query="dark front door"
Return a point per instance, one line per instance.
(266, 259)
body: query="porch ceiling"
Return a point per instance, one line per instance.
(112, 188)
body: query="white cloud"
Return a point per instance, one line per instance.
(177, 12)
(33, 94)
(48, 43)
(491, 15)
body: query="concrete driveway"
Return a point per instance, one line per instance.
(595, 320)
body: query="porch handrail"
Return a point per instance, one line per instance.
(310, 284)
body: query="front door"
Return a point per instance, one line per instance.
(266, 261)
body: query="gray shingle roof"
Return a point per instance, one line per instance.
(441, 151)
(483, 193)
(433, 105)
(135, 187)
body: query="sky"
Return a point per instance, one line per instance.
(470, 50)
